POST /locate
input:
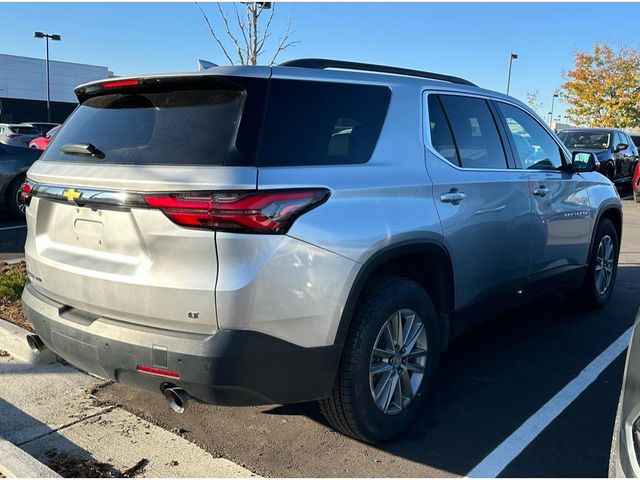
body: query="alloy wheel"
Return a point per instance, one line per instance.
(398, 361)
(604, 264)
(21, 206)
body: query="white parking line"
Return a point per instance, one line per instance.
(512, 446)
(13, 227)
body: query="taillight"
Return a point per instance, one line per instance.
(243, 212)
(25, 192)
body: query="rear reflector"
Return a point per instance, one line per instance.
(158, 371)
(244, 212)
(120, 83)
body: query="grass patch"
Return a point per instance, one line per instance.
(12, 283)
(12, 280)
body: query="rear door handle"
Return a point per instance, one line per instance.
(452, 197)
(541, 191)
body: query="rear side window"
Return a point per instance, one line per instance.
(189, 127)
(474, 132)
(320, 123)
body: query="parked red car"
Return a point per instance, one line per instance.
(636, 183)
(41, 142)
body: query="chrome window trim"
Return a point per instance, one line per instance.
(427, 131)
(87, 196)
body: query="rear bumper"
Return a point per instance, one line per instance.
(229, 367)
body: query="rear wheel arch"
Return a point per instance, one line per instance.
(426, 262)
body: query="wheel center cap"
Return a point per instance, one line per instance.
(396, 360)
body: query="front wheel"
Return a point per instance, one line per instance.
(600, 279)
(388, 363)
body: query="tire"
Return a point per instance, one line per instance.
(589, 293)
(351, 408)
(13, 201)
(636, 196)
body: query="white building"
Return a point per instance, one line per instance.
(23, 87)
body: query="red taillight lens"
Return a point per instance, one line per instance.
(120, 83)
(245, 212)
(25, 192)
(158, 371)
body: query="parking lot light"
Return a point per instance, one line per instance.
(47, 36)
(512, 57)
(553, 99)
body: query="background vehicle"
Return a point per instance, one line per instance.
(14, 163)
(41, 142)
(635, 182)
(41, 127)
(378, 216)
(17, 135)
(616, 152)
(624, 461)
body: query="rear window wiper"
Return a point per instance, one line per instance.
(82, 149)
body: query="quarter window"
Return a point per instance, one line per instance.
(474, 132)
(535, 148)
(321, 123)
(441, 138)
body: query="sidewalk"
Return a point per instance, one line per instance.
(48, 411)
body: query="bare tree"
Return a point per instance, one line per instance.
(247, 33)
(532, 101)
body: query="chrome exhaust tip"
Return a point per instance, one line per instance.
(35, 343)
(177, 399)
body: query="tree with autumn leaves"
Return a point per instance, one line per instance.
(603, 88)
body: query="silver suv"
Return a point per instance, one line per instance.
(319, 230)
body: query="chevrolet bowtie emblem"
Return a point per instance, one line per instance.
(71, 194)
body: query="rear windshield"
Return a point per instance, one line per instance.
(321, 123)
(24, 130)
(178, 127)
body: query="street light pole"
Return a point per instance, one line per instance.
(512, 57)
(553, 99)
(46, 37)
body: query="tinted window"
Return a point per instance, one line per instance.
(535, 148)
(166, 127)
(475, 132)
(585, 139)
(24, 130)
(319, 123)
(441, 138)
(617, 139)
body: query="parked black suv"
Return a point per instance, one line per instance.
(616, 152)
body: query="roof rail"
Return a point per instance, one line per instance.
(323, 63)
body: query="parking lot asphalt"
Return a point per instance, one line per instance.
(13, 234)
(494, 381)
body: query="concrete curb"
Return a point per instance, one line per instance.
(12, 261)
(16, 463)
(13, 339)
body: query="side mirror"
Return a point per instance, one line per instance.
(620, 147)
(584, 162)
